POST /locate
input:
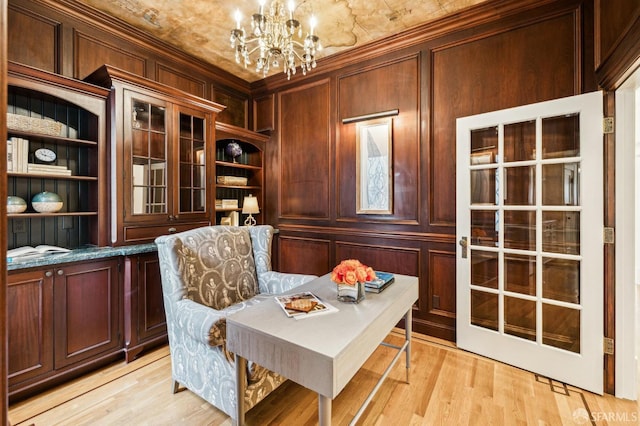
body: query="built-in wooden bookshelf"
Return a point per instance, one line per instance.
(73, 118)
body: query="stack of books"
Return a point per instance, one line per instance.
(17, 155)
(229, 203)
(48, 169)
(383, 280)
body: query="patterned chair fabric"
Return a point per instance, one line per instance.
(207, 274)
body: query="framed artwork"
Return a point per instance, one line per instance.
(374, 171)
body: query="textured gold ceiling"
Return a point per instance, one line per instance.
(201, 27)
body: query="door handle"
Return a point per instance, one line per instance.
(463, 243)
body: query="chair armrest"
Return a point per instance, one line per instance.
(272, 282)
(201, 322)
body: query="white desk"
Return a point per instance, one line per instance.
(321, 353)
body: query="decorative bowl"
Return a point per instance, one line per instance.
(233, 150)
(46, 202)
(16, 204)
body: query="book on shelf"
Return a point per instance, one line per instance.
(232, 180)
(234, 218)
(303, 305)
(19, 148)
(28, 252)
(382, 281)
(9, 155)
(46, 168)
(229, 203)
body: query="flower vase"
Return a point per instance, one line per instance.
(351, 293)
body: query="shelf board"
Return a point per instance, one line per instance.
(252, 187)
(36, 214)
(50, 137)
(237, 165)
(51, 176)
(228, 209)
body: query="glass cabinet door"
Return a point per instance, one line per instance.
(146, 125)
(193, 172)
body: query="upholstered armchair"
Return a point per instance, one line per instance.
(207, 274)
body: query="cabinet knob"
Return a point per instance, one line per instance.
(60, 272)
(48, 274)
(172, 230)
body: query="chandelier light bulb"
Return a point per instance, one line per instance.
(292, 7)
(238, 18)
(312, 23)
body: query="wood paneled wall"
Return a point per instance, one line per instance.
(493, 56)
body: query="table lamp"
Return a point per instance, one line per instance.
(250, 207)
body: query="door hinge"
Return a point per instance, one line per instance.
(608, 346)
(607, 125)
(609, 235)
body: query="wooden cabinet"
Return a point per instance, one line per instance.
(238, 176)
(162, 143)
(62, 321)
(30, 325)
(145, 323)
(66, 118)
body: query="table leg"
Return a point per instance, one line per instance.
(407, 335)
(324, 410)
(241, 380)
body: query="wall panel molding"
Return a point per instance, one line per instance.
(91, 53)
(304, 255)
(180, 80)
(40, 52)
(305, 136)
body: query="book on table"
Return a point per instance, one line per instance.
(382, 281)
(28, 252)
(303, 305)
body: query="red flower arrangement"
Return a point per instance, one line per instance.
(351, 271)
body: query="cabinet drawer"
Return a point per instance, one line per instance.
(147, 233)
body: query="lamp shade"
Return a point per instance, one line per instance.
(250, 205)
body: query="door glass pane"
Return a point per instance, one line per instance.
(561, 184)
(561, 136)
(520, 141)
(484, 309)
(561, 280)
(149, 159)
(192, 164)
(158, 146)
(562, 232)
(140, 115)
(483, 186)
(520, 274)
(157, 118)
(483, 228)
(520, 230)
(561, 327)
(484, 146)
(520, 183)
(140, 143)
(484, 269)
(520, 317)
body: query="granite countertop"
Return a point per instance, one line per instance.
(82, 254)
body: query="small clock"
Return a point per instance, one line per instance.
(45, 155)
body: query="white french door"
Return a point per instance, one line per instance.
(529, 225)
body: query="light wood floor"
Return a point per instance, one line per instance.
(448, 387)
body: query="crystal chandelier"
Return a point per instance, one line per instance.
(272, 40)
